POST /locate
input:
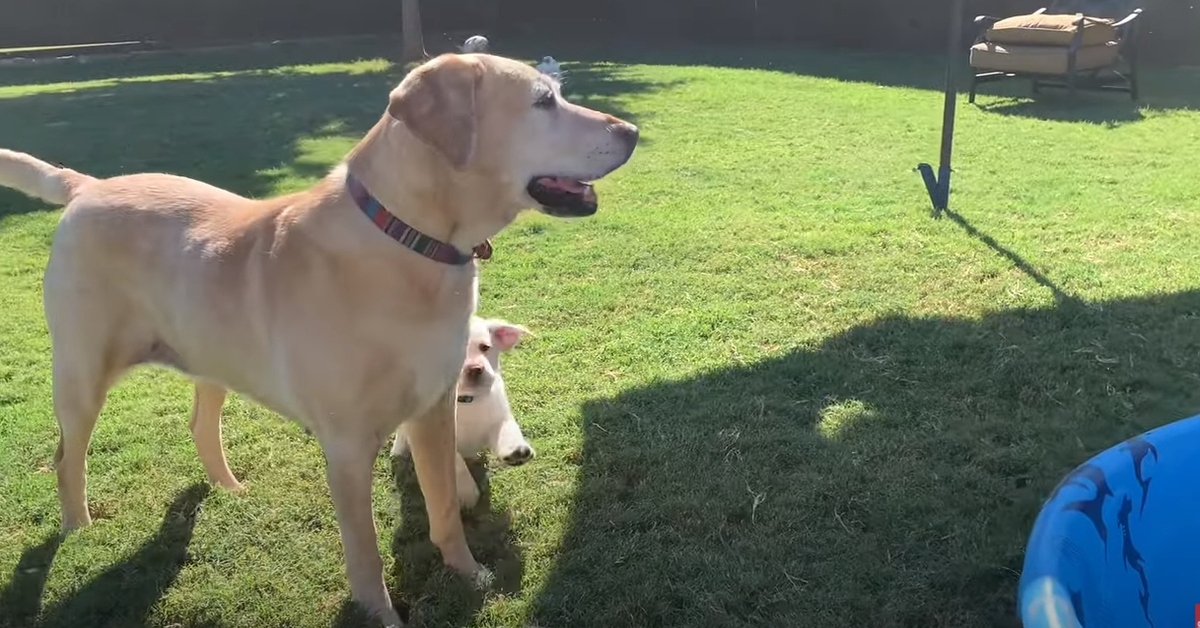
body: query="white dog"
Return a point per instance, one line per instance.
(484, 419)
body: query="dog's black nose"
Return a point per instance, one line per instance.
(519, 456)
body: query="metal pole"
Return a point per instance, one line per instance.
(939, 186)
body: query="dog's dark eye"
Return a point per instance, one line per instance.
(545, 100)
(484, 347)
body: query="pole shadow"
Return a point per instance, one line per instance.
(1014, 258)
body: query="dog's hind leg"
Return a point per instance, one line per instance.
(206, 433)
(94, 338)
(79, 391)
(90, 350)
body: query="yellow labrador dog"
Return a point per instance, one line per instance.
(344, 307)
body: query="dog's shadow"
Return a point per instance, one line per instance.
(124, 594)
(424, 591)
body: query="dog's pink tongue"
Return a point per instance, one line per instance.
(566, 185)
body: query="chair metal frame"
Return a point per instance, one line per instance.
(1118, 76)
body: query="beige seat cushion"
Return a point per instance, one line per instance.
(1050, 30)
(1040, 59)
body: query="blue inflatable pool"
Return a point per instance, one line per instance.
(1117, 545)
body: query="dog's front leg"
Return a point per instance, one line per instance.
(467, 489)
(431, 439)
(350, 459)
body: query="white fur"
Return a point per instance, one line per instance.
(485, 421)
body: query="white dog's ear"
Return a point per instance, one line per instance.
(505, 335)
(437, 103)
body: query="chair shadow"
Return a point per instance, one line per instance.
(123, 594)
(1161, 89)
(424, 591)
(887, 476)
(1108, 110)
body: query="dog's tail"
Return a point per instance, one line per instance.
(37, 178)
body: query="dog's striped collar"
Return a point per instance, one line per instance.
(401, 232)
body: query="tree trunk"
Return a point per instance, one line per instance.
(413, 37)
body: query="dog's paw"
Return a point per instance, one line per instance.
(232, 485)
(72, 524)
(468, 495)
(483, 579)
(389, 618)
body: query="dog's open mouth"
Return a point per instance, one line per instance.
(563, 196)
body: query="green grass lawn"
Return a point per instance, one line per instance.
(767, 388)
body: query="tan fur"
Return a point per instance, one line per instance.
(439, 119)
(298, 301)
(38, 178)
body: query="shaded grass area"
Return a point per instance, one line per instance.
(123, 594)
(1165, 88)
(887, 476)
(766, 388)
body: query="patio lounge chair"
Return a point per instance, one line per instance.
(1071, 45)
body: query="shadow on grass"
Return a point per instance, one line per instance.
(1060, 297)
(425, 592)
(245, 132)
(242, 58)
(123, 594)
(1165, 89)
(897, 70)
(1162, 89)
(602, 86)
(1105, 109)
(887, 477)
(21, 601)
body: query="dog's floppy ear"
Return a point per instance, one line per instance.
(505, 335)
(437, 103)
